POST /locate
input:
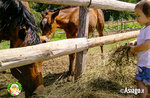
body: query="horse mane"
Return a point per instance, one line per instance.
(12, 14)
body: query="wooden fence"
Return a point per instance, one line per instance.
(45, 51)
(102, 4)
(30, 54)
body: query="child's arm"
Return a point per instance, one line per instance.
(142, 47)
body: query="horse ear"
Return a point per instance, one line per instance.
(55, 14)
(42, 13)
(22, 34)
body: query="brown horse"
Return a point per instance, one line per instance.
(67, 19)
(17, 25)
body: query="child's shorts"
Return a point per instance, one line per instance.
(143, 74)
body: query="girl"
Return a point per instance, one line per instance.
(142, 47)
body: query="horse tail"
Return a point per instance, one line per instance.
(100, 22)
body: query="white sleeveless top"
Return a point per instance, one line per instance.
(144, 56)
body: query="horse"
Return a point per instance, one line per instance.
(67, 18)
(18, 25)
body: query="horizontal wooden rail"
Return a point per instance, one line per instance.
(15, 57)
(101, 4)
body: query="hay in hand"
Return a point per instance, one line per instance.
(121, 56)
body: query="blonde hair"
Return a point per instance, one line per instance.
(144, 5)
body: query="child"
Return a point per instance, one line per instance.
(142, 47)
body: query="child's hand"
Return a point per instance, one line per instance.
(133, 43)
(132, 49)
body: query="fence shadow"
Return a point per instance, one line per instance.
(106, 85)
(51, 78)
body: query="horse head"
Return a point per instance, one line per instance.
(17, 25)
(24, 36)
(48, 24)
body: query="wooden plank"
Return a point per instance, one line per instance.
(105, 40)
(80, 65)
(101, 4)
(15, 57)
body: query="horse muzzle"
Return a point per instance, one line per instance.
(44, 39)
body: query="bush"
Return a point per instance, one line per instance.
(37, 16)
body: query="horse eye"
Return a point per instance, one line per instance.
(50, 26)
(46, 13)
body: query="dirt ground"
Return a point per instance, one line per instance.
(52, 69)
(55, 69)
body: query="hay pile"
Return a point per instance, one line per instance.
(121, 56)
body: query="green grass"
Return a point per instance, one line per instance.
(4, 45)
(118, 43)
(59, 30)
(58, 36)
(125, 26)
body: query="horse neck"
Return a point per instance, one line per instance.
(15, 41)
(64, 17)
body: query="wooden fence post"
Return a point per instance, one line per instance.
(80, 64)
(121, 25)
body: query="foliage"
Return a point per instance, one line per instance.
(131, 1)
(39, 7)
(37, 16)
(120, 14)
(109, 14)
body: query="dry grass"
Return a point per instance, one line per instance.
(101, 80)
(122, 56)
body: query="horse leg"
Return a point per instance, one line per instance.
(71, 57)
(30, 76)
(100, 27)
(100, 31)
(39, 84)
(71, 64)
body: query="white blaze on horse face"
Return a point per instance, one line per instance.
(44, 22)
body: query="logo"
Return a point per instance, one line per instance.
(132, 90)
(14, 88)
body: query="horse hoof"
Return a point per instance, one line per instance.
(102, 57)
(39, 90)
(69, 78)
